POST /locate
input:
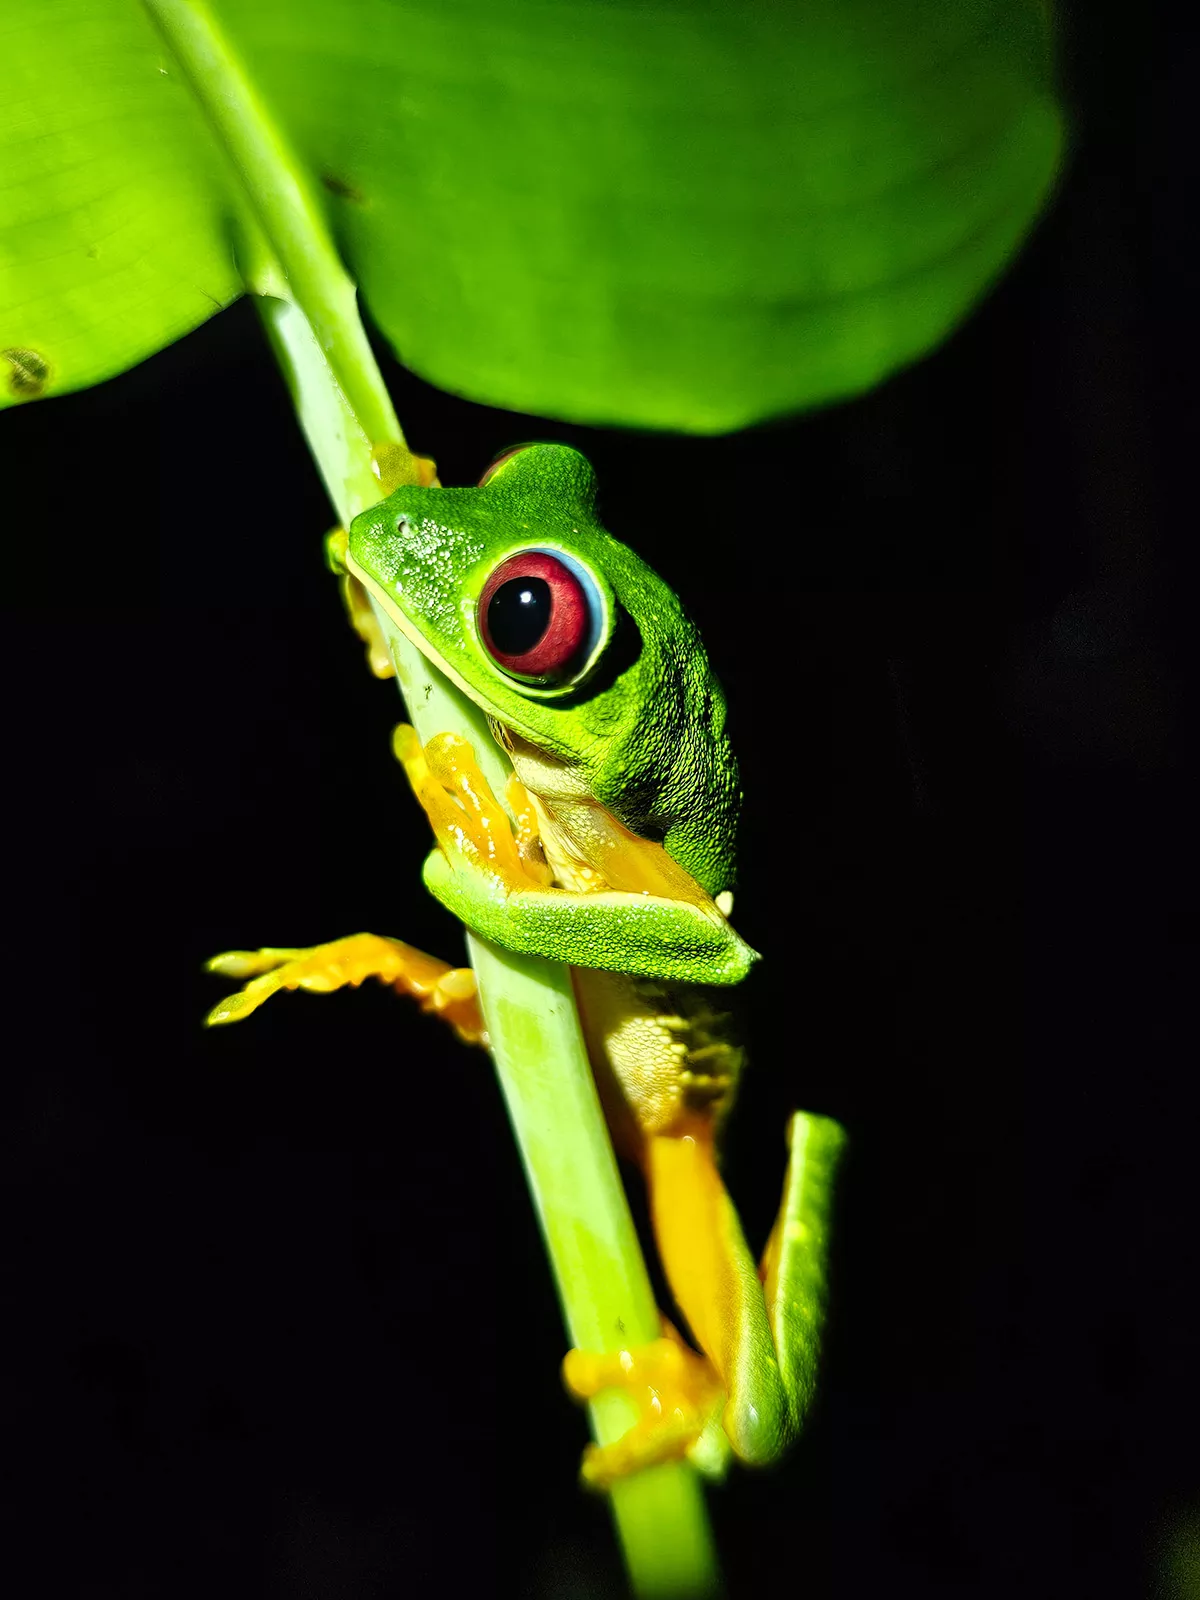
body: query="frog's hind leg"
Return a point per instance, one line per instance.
(713, 1278)
(759, 1328)
(448, 992)
(795, 1262)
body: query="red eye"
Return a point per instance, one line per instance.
(535, 617)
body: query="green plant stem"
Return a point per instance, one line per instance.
(310, 312)
(284, 204)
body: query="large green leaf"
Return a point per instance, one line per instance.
(688, 215)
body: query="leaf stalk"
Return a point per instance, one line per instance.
(310, 311)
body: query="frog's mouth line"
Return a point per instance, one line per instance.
(412, 633)
(588, 849)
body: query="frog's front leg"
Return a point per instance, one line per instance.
(448, 992)
(499, 884)
(465, 816)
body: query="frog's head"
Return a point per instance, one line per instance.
(569, 643)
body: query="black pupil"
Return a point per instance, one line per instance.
(519, 614)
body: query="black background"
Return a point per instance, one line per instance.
(278, 1319)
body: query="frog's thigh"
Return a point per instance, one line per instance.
(447, 991)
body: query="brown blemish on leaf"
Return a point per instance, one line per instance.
(28, 372)
(340, 187)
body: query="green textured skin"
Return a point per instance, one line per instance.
(650, 744)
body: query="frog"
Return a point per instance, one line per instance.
(613, 850)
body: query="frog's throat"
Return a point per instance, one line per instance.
(587, 847)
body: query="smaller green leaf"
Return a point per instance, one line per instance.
(113, 222)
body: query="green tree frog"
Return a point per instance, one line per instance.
(615, 854)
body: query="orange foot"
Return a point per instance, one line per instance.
(467, 819)
(678, 1395)
(449, 992)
